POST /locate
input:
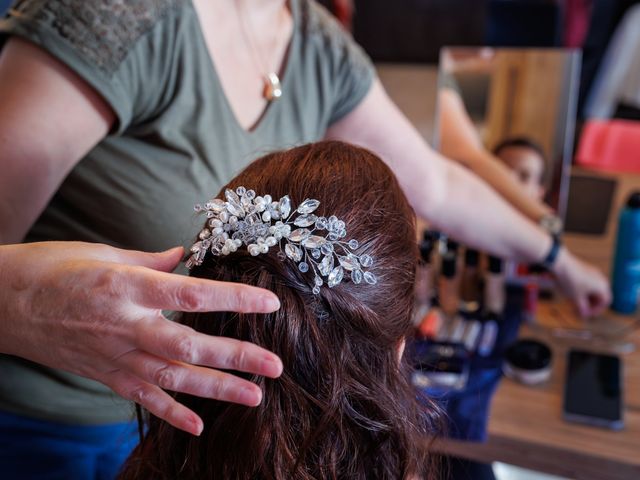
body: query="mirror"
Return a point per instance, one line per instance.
(522, 103)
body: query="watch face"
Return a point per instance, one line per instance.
(552, 224)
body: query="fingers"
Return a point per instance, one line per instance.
(593, 303)
(165, 261)
(598, 303)
(169, 340)
(166, 291)
(582, 305)
(155, 400)
(198, 381)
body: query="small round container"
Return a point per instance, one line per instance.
(528, 361)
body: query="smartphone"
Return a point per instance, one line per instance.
(593, 390)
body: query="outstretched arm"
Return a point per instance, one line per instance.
(456, 201)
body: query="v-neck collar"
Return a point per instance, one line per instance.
(272, 107)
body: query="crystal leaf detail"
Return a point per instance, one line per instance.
(370, 278)
(314, 241)
(305, 220)
(235, 209)
(356, 276)
(308, 206)
(299, 235)
(293, 252)
(231, 196)
(285, 206)
(321, 223)
(335, 277)
(327, 248)
(252, 219)
(246, 201)
(326, 265)
(366, 261)
(217, 205)
(350, 262)
(316, 254)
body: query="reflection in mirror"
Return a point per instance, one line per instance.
(522, 103)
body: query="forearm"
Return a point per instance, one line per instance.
(454, 200)
(460, 142)
(447, 195)
(471, 211)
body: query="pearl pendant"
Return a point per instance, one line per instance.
(272, 88)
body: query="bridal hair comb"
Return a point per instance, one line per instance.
(259, 223)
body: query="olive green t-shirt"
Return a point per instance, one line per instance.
(175, 143)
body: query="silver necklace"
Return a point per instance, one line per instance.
(272, 88)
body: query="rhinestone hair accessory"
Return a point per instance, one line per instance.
(259, 223)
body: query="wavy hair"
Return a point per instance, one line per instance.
(344, 406)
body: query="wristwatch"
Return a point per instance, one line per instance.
(552, 224)
(552, 255)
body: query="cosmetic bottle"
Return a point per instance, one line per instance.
(626, 265)
(494, 301)
(466, 326)
(427, 319)
(431, 325)
(494, 289)
(424, 272)
(471, 334)
(456, 329)
(448, 283)
(470, 282)
(424, 288)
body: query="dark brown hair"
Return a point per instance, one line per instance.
(344, 406)
(528, 143)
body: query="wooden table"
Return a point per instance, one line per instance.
(526, 426)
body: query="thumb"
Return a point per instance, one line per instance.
(165, 261)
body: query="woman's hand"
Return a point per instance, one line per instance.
(583, 283)
(96, 311)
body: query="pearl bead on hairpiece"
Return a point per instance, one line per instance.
(260, 223)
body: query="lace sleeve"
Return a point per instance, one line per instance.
(95, 38)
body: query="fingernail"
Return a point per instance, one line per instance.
(270, 303)
(197, 426)
(271, 367)
(250, 396)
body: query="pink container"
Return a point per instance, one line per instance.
(612, 145)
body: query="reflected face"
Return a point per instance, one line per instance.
(527, 166)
